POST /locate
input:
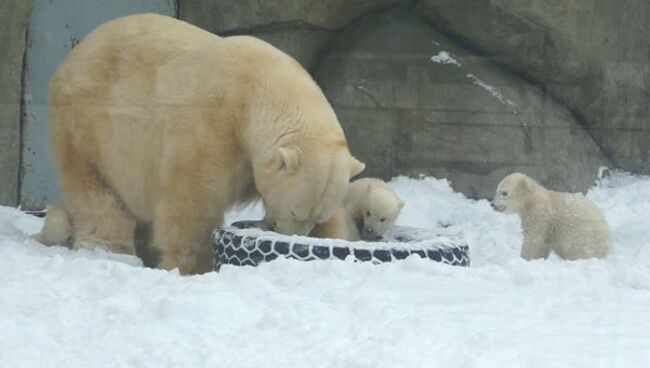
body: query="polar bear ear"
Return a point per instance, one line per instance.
(523, 187)
(287, 159)
(356, 167)
(400, 203)
(523, 184)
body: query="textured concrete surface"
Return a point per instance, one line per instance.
(553, 88)
(592, 55)
(304, 45)
(301, 28)
(248, 15)
(466, 120)
(14, 15)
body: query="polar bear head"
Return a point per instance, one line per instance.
(512, 193)
(303, 184)
(380, 207)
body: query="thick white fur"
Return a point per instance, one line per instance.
(370, 207)
(566, 223)
(155, 121)
(340, 226)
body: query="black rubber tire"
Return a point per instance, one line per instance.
(246, 243)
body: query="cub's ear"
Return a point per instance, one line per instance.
(287, 159)
(523, 184)
(356, 167)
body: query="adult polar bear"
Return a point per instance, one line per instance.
(153, 120)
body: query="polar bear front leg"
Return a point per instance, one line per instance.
(182, 233)
(534, 247)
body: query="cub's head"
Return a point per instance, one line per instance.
(301, 185)
(512, 193)
(380, 210)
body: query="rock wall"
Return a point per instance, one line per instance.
(411, 101)
(591, 55)
(13, 19)
(553, 88)
(470, 90)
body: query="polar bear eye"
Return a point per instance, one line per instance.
(368, 213)
(382, 219)
(504, 193)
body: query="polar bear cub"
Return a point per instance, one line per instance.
(370, 207)
(566, 223)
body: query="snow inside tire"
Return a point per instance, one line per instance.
(244, 243)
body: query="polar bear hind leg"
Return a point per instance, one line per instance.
(97, 217)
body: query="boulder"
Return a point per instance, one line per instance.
(592, 55)
(303, 28)
(14, 15)
(305, 45)
(413, 102)
(248, 15)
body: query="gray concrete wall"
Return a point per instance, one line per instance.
(554, 88)
(14, 15)
(467, 120)
(573, 72)
(590, 55)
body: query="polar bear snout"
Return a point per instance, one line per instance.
(370, 233)
(497, 207)
(292, 227)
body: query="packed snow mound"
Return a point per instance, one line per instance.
(62, 308)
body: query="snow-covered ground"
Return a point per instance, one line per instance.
(60, 308)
